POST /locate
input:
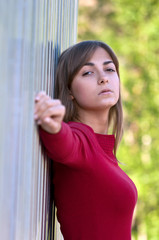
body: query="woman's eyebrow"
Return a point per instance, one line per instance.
(92, 64)
(107, 62)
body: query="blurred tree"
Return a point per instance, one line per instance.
(131, 28)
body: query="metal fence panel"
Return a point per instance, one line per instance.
(32, 35)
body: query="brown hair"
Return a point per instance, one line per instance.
(70, 62)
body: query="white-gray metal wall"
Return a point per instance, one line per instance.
(32, 35)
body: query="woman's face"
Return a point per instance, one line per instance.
(96, 86)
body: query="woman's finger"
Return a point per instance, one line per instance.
(39, 95)
(44, 104)
(56, 113)
(40, 102)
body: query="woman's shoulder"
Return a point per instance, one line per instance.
(84, 132)
(80, 126)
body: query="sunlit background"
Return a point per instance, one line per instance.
(131, 28)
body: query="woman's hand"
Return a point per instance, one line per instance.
(49, 113)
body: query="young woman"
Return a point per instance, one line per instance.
(95, 199)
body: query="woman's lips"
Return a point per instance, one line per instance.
(105, 92)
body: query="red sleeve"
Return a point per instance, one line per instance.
(66, 146)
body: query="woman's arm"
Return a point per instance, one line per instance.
(61, 143)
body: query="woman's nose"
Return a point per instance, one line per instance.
(102, 79)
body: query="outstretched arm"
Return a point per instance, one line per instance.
(61, 143)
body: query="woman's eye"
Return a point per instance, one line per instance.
(110, 70)
(87, 73)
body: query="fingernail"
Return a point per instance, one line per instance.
(37, 99)
(42, 93)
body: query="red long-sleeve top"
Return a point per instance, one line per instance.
(95, 199)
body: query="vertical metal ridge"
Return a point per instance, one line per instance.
(32, 35)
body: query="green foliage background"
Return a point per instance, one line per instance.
(131, 28)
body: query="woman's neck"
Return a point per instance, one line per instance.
(98, 122)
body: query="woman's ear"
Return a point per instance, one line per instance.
(71, 96)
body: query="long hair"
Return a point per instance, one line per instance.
(69, 64)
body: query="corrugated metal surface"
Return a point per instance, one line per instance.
(32, 34)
